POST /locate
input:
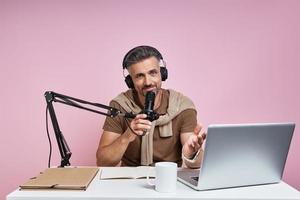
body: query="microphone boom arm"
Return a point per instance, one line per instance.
(51, 97)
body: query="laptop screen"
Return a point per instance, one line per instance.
(241, 155)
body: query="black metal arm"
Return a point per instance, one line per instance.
(64, 149)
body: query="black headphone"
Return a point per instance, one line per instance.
(163, 69)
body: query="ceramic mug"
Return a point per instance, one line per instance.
(165, 177)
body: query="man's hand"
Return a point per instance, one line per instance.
(194, 142)
(139, 126)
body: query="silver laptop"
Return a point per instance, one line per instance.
(241, 155)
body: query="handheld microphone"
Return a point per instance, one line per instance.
(149, 107)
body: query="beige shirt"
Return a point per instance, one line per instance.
(164, 148)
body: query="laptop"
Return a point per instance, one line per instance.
(241, 155)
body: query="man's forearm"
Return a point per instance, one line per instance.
(111, 155)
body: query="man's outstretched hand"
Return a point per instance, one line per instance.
(194, 142)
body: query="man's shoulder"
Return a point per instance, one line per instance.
(179, 101)
(115, 102)
(174, 93)
(126, 94)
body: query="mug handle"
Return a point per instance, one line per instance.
(152, 183)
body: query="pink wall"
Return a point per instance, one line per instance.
(238, 61)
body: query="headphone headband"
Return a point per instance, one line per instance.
(139, 53)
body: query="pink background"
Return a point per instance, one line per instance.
(238, 61)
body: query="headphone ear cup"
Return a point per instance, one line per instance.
(164, 73)
(129, 82)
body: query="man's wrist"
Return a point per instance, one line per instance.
(188, 153)
(193, 162)
(191, 156)
(131, 134)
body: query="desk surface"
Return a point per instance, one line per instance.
(138, 189)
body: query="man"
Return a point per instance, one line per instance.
(172, 137)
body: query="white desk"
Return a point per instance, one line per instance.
(138, 189)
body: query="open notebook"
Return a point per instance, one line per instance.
(126, 172)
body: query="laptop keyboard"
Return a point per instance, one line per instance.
(196, 178)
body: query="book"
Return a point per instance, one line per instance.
(62, 178)
(127, 172)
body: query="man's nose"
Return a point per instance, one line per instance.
(147, 80)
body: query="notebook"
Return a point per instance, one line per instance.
(241, 155)
(69, 178)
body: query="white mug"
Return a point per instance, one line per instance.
(165, 177)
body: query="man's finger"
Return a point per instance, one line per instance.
(197, 129)
(140, 116)
(201, 137)
(200, 140)
(204, 136)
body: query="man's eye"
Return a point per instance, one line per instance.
(153, 73)
(139, 76)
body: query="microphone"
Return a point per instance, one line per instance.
(149, 107)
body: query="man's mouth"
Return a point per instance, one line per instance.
(148, 89)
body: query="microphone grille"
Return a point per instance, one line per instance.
(150, 95)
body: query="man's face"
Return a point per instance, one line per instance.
(146, 76)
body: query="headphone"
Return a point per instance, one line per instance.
(162, 64)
